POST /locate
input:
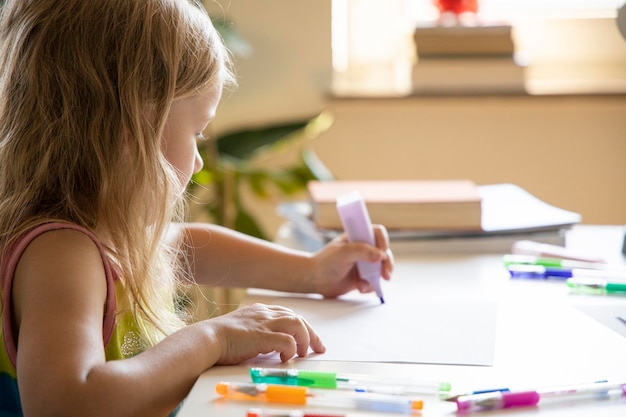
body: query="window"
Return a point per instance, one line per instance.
(373, 51)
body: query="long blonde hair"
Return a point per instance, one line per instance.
(85, 88)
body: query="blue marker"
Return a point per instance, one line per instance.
(543, 272)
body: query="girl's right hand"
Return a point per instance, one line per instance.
(258, 329)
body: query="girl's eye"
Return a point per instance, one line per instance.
(200, 137)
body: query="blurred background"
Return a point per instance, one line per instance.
(562, 137)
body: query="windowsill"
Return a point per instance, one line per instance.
(536, 88)
(578, 56)
(557, 79)
(576, 79)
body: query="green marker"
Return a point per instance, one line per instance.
(557, 263)
(352, 382)
(596, 286)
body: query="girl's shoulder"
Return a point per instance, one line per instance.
(55, 243)
(61, 238)
(69, 233)
(23, 241)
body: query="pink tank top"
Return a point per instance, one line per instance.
(7, 270)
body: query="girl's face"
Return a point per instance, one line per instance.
(185, 123)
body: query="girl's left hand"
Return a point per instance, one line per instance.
(335, 271)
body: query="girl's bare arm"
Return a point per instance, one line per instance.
(59, 294)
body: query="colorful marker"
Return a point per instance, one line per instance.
(285, 394)
(358, 227)
(500, 400)
(542, 272)
(453, 398)
(557, 263)
(352, 382)
(596, 286)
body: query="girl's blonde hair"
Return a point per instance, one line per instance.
(85, 88)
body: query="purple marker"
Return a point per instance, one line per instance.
(496, 400)
(356, 222)
(578, 392)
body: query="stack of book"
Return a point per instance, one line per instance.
(431, 217)
(403, 204)
(466, 59)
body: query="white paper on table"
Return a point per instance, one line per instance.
(406, 329)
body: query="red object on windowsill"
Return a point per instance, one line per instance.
(456, 6)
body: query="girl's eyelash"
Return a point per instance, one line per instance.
(200, 137)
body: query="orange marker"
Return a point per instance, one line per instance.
(287, 394)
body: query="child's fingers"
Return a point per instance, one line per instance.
(381, 236)
(302, 335)
(388, 265)
(382, 242)
(315, 342)
(281, 343)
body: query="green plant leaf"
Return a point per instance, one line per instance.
(245, 143)
(257, 181)
(249, 142)
(289, 180)
(229, 155)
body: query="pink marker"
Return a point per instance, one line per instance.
(358, 226)
(496, 401)
(578, 392)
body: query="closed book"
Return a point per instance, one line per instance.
(484, 243)
(509, 214)
(464, 40)
(402, 204)
(468, 75)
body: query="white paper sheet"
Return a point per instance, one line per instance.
(610, 315)
(406, 329)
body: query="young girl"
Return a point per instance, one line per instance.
(101, 102)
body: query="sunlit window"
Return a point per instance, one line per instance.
(372, 47)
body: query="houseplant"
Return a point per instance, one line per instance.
(231, 167)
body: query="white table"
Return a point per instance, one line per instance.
(545, 336)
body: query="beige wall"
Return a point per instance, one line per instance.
(567, 150)
(288, 71)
